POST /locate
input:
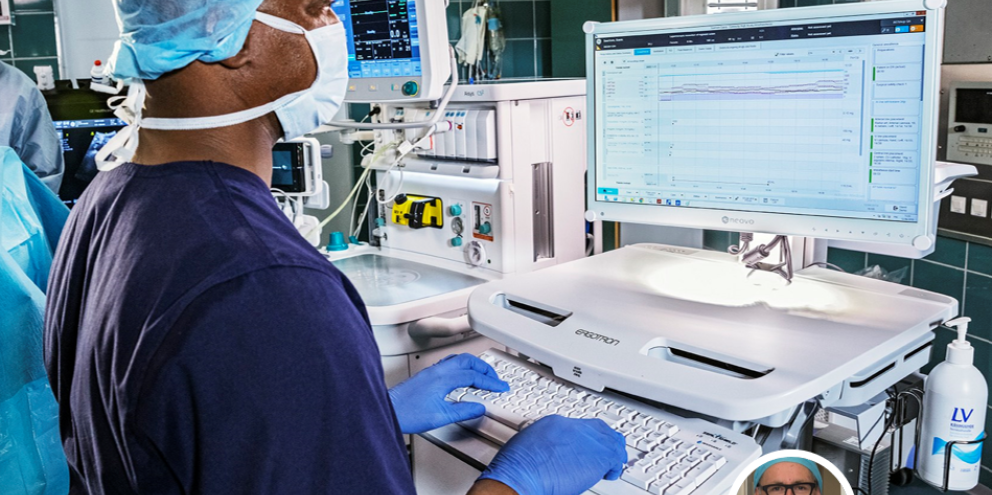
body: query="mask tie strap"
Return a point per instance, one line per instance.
(200, 123)
(121, 148)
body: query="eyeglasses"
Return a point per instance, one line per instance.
(796, 488)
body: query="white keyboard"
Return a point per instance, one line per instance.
(667, 454)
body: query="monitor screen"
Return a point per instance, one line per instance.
(383, 37)
(85, 122)
(81, 140)
(973, 105)
(289, 167)
(824, 115)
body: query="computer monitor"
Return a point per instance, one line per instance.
(397, 49)
(817, 122)
(85, 123)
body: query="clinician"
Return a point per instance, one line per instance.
(26, 126)
(195, 342)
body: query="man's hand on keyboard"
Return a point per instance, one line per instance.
(559, 456)
(419, 401)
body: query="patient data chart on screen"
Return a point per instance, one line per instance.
(814, 118)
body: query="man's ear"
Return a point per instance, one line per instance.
(243, 56)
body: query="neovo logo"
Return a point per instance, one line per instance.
(595, 336)
(738, 221)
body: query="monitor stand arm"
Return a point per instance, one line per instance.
(796, 253)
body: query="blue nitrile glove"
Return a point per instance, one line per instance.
(559, 456)
(419, 401)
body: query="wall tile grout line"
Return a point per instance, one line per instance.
(964, 287)
(980, 274)
(940, 263)
(533, 32)
(964, 290)
(34, 58)
(973, 336)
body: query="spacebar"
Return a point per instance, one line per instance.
(490, 429)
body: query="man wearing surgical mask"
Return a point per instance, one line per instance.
(195, 342)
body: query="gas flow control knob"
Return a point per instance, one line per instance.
(485, 228)
(475, 253)
(456, 241)
(455, 210)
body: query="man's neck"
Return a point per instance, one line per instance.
(247, 146)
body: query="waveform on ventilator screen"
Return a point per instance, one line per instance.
(824, 88)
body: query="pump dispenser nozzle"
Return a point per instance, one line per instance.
(960, 351)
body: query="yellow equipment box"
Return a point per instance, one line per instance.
(418, 212)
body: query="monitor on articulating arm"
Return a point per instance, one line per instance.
(818, 122)
(397, 49)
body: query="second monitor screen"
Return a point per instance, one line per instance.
(818, 118)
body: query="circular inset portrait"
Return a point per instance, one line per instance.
(792, 472)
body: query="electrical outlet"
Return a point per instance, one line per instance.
(967, 210)
(979, 208)
(959, 204)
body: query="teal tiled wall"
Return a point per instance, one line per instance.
(527, 25)
(31, 39)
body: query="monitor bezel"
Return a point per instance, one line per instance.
(908, 239)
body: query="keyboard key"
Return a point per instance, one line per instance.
(633, 455)
(657, 487)
(681, 487)
(701, 472)
(637, 478)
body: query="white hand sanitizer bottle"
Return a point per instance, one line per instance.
(954, 405)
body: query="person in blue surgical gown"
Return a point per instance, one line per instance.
(26, 126)
(31, 220)
(195, 342)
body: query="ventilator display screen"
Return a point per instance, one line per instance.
(383, 37)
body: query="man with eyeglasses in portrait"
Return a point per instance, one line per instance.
(788, 476)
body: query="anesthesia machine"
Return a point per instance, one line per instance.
(472, 183)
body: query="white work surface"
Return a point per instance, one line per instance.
(627, 308)
(402, 289)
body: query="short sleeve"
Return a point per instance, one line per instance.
(269, 383)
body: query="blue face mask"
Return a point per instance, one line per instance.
(298, 113)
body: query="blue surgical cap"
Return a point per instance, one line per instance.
(159, 36)
(813, 468)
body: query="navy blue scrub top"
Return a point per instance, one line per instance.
(197, 344)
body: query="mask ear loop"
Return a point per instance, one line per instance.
(121, 148)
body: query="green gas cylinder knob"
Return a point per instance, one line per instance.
(485, 228)
(456, 241)
(455, 210)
